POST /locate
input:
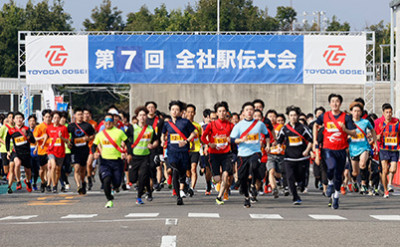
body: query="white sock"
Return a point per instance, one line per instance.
(336, 195)
(330, 182)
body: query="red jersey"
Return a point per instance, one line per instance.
(334, 136)
(218, 132)
(56, 144)
(389, 134)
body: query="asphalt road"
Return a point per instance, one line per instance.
(67, 219)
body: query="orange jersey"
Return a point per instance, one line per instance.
(274, 149)
(94, 124)
(39, 131)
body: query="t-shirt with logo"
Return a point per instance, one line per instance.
(253, 143)
(39, 131)
(295, 144)
(57, 145)
(389, 135)
(195, 145)
(108, 151)
(148, 137)
(359, 143)
(79, 145)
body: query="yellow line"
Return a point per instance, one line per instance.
(47, 204)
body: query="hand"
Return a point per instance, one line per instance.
(274, 143)
(123, 156)
(70, 145)
(129, 158)
(305, 153)
(8, 156)
(23, 131)
(182, 144)
(244, 139)
(35, 151)
(59, 134)
(212, 145)
(312, 154)
(86, 138)
(267, 148)
(150, 146)
(342, 125)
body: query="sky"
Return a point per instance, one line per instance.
(359, 13)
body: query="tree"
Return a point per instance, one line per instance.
(382, 36)
(285, 16)
(105, 18)
(335, 25)
(140, 21)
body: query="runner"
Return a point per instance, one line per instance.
(41, 150)
(58, 135)
(87, 117)
(66, 167)
(388, 134)
(180, 133)
(205, 158)
(111, 143)
(194, 152)
(247, 134)
(359, 148)
(8, 124)
(298, 142)
(337, 126)
(216, 137)
(35, 163)
(257, 181)
(157, 124)
(143, 140)
(81, 133)
(21, 137)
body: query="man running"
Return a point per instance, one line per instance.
(81, 134)
(180, 133)
(337, 127)
(247, 134)
(8, 124)
(111, 143)
(87, 117)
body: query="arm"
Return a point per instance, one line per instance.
(8, 140)
(315, 134)
(308, 149)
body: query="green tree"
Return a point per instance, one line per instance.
(285, 16)
(382, 36)
(105, 18)
(140, 21)
(335, 25)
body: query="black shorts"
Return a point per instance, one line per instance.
(4, 159)
(194, 157)
(391, 156)
(67, 163)
(220, 162)
(249, 165)
(79, 158)
(25, 159)
(43, 160)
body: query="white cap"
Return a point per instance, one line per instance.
(113, 111)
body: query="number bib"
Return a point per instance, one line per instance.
(19, 141)
(390, 141)
(331, 127)
(175, 138)
(359, 138)
(295, 141)
(57, 143)
(252, 138)
(221, 141)
(79, 142)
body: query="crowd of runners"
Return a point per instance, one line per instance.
(252, 151)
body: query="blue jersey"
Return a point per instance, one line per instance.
(359, 143)
(253, 144)
(186, 127)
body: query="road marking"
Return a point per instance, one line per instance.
(173, 222)
(142, 215)
(23, 217)
(168, 241)
(326, 217)
(266, 216)
(386, 217)
(79, 216)
(77, 221)
(203, 215)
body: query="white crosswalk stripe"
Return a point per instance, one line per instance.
(326, 217)
(22, 217)
(266, 216)
(386, 217)
(142, 215)
(79, 216)
(203, 215)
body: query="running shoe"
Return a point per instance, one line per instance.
(226, 196)
(364, 190)
(63, 189)
(149, 197)
(386, 194)
(190, 192)
(182, 194)
(208, 193)
(276, 193)
(34, 187)
(286, 192)
(330, 202)
(42, 187)
(84, 188)
(329, 190)
(219, 201)
(79, 190)
(9, 190)
(54, 189)
(179, 201)
(169, 186)
(253, 199)
(335, 203)
(247, 203)
(343, 190)
(158, 187)
(109, 204)
(174, 192)
(269, 189)
(48, 188)
(350, 187)
(298, 202)
(19, 185)
(305, 191)
(67, 187)
(139, 201)
(90, 184)
(355, 187)
(128, 187)
(390, 188)
(28, 185)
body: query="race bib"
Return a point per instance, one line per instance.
(20, 141)
(252, 138)
(175, 138)
(221, 141)
(79, 142)
(295, 141)
(57, 143)
(106, 144)
(390, 141)
(146, 137)
(358, 138)
(331, 127)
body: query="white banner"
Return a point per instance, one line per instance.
(57, 59)
(48, 97)
(332, 59)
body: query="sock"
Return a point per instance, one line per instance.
(336, 195)
(330, 182)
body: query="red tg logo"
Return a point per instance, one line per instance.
(56, 55)
(334, 55)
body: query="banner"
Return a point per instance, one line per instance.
(254, 59)
(48, 98)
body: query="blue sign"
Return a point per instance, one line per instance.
(196, 59)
